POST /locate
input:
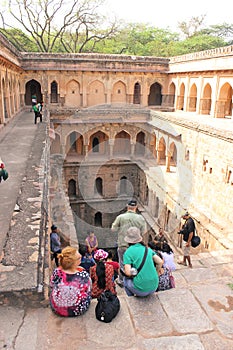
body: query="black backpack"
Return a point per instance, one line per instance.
(107, 307)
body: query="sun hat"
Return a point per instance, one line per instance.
(133, 235)
(185, 214)
(100, 254)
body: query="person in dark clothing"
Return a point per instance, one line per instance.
(187, 231)
(55, 244)
(87, 260)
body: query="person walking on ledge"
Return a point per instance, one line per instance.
(187, 231)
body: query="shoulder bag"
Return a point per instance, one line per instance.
(195, 241)
(136, 271)
(107, 307)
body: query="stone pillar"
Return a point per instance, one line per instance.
(132, 149)
(85, 151)
(111, 145)
(168, 162)
(186, 96)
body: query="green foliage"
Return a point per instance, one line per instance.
(19, 39)
(140, 40)
(196, 43)
(131, 39)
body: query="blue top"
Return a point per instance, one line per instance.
(55, 243)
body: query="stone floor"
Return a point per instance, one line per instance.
(196, 315)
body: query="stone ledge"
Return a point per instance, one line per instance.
(22, 271)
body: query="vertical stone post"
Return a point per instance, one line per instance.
(168, 162)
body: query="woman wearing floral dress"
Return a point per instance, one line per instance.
(70, 285)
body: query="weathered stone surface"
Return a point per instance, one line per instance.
(10, 320)
(183, 311)
(214, 341)
(187, 342)
(217, 300)
(149, 317)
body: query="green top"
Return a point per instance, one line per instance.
(125, 221)
(147, 279)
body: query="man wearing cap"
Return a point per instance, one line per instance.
(55, 243)
(122, 223)
(146, 279)
(187, 231)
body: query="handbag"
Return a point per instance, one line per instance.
(107, 307)
(195, 241)
(172, 280)
(136, 271)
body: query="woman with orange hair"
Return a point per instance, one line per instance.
(70, 285)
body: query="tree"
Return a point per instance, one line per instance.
(191, 27)
(196, 43)
(19, 39)
(224, 31)
(68, 24)
(141, 40)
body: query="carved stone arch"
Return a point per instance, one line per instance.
(137, 93)
(152, 145)
(98, 143)
(32, 87)
(140, 143)
(73, 97)
(71, 188)
(96, 93)
(171, 95)
(155, 95)
(119, 92)
(224, 103)
(54, 92)
(74, 143)
(123, 185)
(98, 219)
(180, 97)
(173, 154)
(122, 143)
(206, 99)
(6, 110)
(161, 153)
(98, 189)
(192, 98)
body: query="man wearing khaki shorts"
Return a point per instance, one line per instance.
(187, 232)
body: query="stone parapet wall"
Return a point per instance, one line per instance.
(25, 257)
(217, 52)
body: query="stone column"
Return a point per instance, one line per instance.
(111, 145)
(85, 151)
(168, 162)
(132, 149)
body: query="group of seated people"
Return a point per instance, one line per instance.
(80, 278)
(84, 274)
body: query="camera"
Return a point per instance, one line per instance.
(133, 271)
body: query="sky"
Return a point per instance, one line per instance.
(167, 13)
